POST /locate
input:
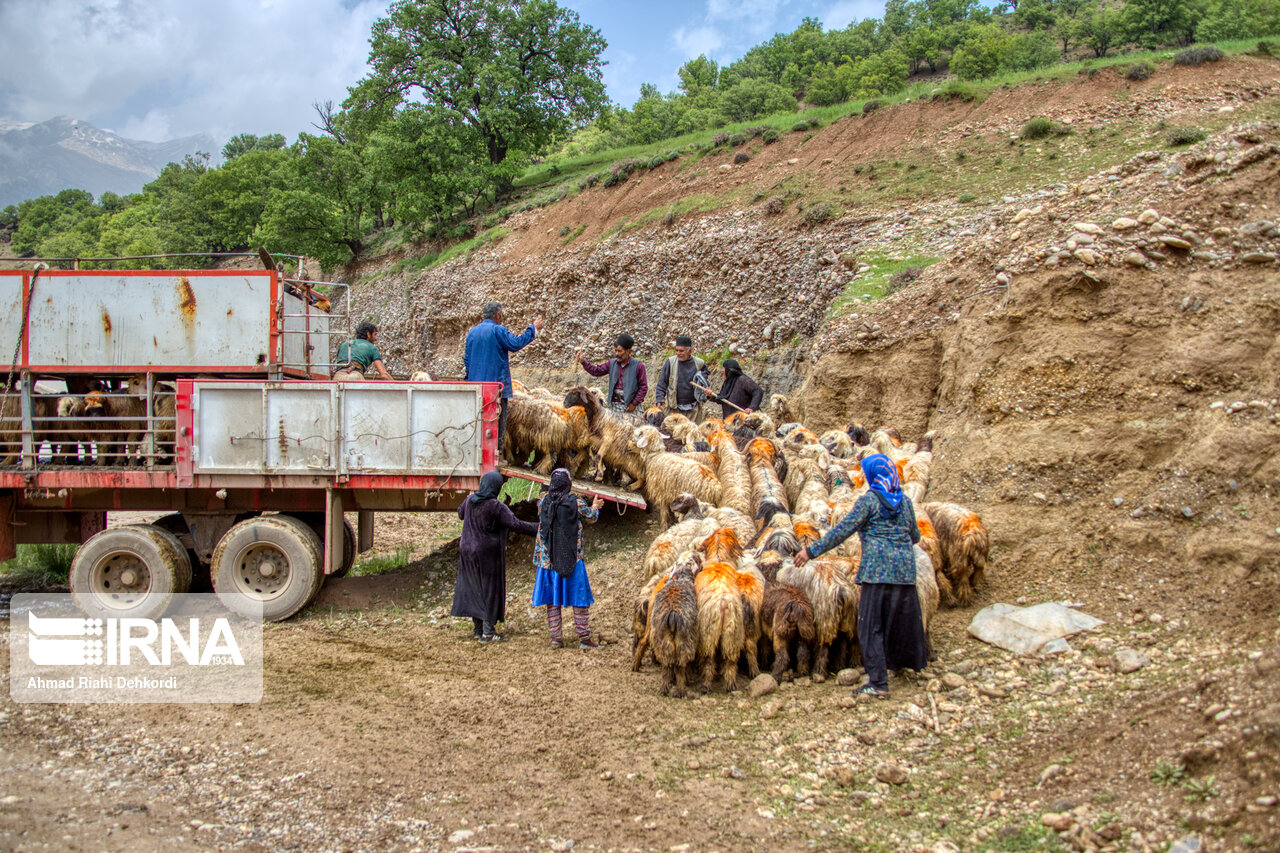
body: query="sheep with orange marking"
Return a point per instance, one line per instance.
(548, 431)
(666, 475)
(964, 545)
(806, 474)
(675, 540)
(721, 632)
(837, 443)
(915, 471)
(735, 479)
(768, 498)
(673, 627)
(686, 507)
(932, 547)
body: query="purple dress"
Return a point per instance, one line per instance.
(481, 590)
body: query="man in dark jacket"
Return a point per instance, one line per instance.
(682, 380)
(486, 357)
(739, 391)
(627, 382)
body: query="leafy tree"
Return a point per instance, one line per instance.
(751, 98)
(243, 143)
(1238, 19)
(1152, 23)
(230, 200)
(132, 232)
(1100, 28)
(40, 218)
(518, 73)
(698, 74)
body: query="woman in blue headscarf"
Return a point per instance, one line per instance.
(561, 577)
(890, 629)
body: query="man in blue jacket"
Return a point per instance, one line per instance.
(486, 357)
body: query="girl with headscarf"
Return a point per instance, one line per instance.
(481, 590)
(739, 392)
(562, 573)
(890, 629)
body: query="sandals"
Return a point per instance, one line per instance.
(557, 644)
(492, 638)
(873, 692)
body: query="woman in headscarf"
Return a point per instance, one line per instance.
(562, 573)
(890, 630)
(738, 392)
(481, 590)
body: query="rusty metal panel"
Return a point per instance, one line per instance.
(201, 319)
(300, 427)
(10, 314)
(305, 341)
(412, 428)
(228, 431)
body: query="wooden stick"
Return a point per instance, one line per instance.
(722, 402)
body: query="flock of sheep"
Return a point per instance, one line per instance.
(92, 424)
(747, 493)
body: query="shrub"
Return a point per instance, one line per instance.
(966, 198)
(801, 126)
(899, 280)
(1198, 55)
(775, 205)
(719, 139)
(1036, 128)
(1176, 136)
(658, 160)
(737, 139)
(672, 155)
(1140, 71)
(871, 106)
(613, 179)
(816, 214)
(1265, 48)
(769, 136)
(961, 155)
(741, 157)
(669, 218)
(954, 90)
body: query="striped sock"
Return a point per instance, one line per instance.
(553, 621)
(580, 622)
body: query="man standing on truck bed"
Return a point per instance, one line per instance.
(356, 357)
(627, 381)
(486, 356)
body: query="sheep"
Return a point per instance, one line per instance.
(163, 396)
(827, 584)
(675, 540)
(858, 434)
(653, 416)
(786, 615)
(806, 464)
(420, 376)
(915, 472)
(549, 431)
(686, 507)
(932, 547)
(767, 496)
(927, 591)
(838, 443)
(666, 475)
(751, 589)
(674, 627)
(720, 623)
(683, 430)
(779, 409)
(964, 545)
(44, 407)
(640, 616)
(120, 424)
(735, 479)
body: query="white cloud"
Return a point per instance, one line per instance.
(165, 68)
(695, 41)
(840, 14)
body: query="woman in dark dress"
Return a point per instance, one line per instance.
(481, 590)
(738, 389)
(890, 629)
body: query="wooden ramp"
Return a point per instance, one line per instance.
(583, 487)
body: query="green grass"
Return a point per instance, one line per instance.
(485, 238)
(381, 564)
(874, 283)
(38, 567)
(574, 234)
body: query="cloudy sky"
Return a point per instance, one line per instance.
(163, 69)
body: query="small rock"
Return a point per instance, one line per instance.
(1267, 802)
(606, 776)
(732, 772)
(461, 835)
(1258, 258)
(1189, 844)
(954, 681)
(847, 677)
(891, 774)
(1135, 259)
(1053, 771)
(1058, 822)
(1124, 223)
(770, 709)
(845, 777)
(1149, 217)
(1087, 257)
(1128, 660)
(1117, 501)
(1188, 512)
(1174, 242)
(762, 685)
(1088, 228)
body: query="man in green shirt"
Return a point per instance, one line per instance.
(361, 355)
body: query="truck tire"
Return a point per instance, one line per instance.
(125, 572)
(177, 525)
(181, 557)
(272, 561)
(315, 520)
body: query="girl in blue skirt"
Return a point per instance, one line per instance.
(562, 573)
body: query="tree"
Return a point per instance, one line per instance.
(752, 98)
(1100, 29)
(1152, 23)
(518, 73)
(243, 143)
(698, 74)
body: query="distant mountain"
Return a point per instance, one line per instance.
(66, 153)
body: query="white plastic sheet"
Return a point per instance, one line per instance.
(1040, 629)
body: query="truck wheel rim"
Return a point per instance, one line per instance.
(120, 580)
(262, 571)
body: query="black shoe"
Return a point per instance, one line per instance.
(492, 638)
